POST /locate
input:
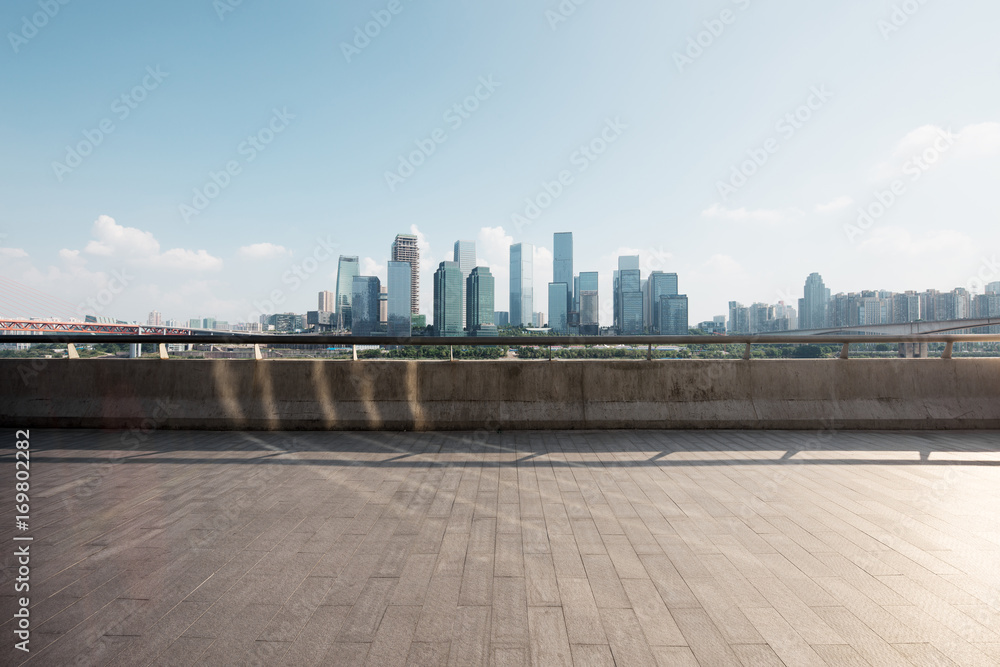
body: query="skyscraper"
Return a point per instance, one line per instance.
(521, 301)
(660, 285)
(562, 265)
(327, 302)
(813, 305)
(558, 313)
(347, 270)
(673, 315)
(399, 316)
(589, 309)
(404, 249)
(154, 319)
(479, 288)
(448, 300)
(364, 305)
(629, 293)
(465, 256)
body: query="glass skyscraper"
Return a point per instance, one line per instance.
(448, 300)
(347, 270)
(812, 308)
(660, 285)
(364, 305)
(521, 302)
(558, 313)
(399, 315)
(673, 314)
(465, 256)
(479, 288)
(562, 265)
(629, 296)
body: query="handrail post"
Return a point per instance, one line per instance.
(649, 352)
(71, 351)
(550, 353)
(947, 350)
(746, 353)
(451, 353)
(163, 351)
(354, 352)
(843, 350)
(256, 352)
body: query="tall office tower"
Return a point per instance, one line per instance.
(448, 300)
(660, 284)
(993, 288)
(558, 313)
(154, 319)
(629, 296)
(400, 318)
(562, 265)
(521, 301)
(576, 294)
(739, 318)
(364, 305)
(673, 313)
(501, 318)
(404, 249)
(196, 323)
(208, 323)
(479, 288)
(347, 271)
(465, 256)
(589, 310)
(327, 302)
(383, 304)
(813, 307)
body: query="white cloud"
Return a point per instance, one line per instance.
(723, 265)
(263, 251)
(369, 267)
(931, 144)
(887, 241)
(979, 139)
(766, 216)
(116, 240)
(835, 205)
(180, 259)
(12, 253)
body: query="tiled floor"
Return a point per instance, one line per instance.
(545, 548)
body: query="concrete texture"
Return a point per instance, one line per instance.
(505, 395)
(732, 548)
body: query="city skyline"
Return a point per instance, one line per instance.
(846, 162)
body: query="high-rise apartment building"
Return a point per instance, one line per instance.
(405, 249)
(558, 312)
(448, 300)
(813, 305)
(154, 319)
(479, 289)
(465, 257)
(399, 322)
(327, 301)
(589, 311)
(629, 293)
(347, 271)
(365, 305)
(521, 301)
(562, 265)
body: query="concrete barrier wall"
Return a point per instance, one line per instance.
(468, 395)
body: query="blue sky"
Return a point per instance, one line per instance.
(887, 82)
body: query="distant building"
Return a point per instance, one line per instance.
(562, 267)
(673, 313)
(321, 320)
(405, 249)
(347, 271)
(538, 319)
(521, 301)
(479, 296)
(465, 256)
(365, 305)
(400, 316)
(629, 293)
(383, 304)
(327, 301)
(208, 323)
(813, 305)
(192, 324)
(448, 300)
(154, 319)
(993, 288)
(660, 285)
(589, 310)
(418, 321)
(558, 308)
(501, 318)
